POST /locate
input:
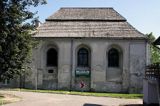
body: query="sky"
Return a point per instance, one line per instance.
(144, 15)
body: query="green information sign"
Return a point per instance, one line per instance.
(82, 72)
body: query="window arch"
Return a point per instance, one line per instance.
(113, 58)
(52, 57)
(83, 57)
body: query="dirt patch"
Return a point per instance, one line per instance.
(8, 98)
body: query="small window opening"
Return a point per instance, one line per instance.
(113, 58)
(50, 71)
(83, 58)
(52, 57)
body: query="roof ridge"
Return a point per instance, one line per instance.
(100, 20)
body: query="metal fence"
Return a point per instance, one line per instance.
(153, 71)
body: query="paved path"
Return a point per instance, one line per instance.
(46, 99)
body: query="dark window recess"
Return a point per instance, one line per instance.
(83, 57)
(52, 57)
(113, 58)
(50, 71)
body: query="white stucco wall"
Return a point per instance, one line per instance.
(127, 78)
(137, 65)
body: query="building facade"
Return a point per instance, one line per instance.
(89, 49)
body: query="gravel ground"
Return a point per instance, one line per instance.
(46, 99)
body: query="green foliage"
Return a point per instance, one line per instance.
(155, 52)
(15, 35)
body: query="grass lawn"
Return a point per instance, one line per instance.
(114, 95)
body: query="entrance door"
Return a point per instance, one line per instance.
(82, 72)
(82, 79)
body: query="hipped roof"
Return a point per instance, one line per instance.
(88, 22)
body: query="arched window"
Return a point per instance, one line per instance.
(52, 58)
(113, 58)
(83, 57)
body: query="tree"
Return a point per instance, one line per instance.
(15, 35)
(155, 52)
